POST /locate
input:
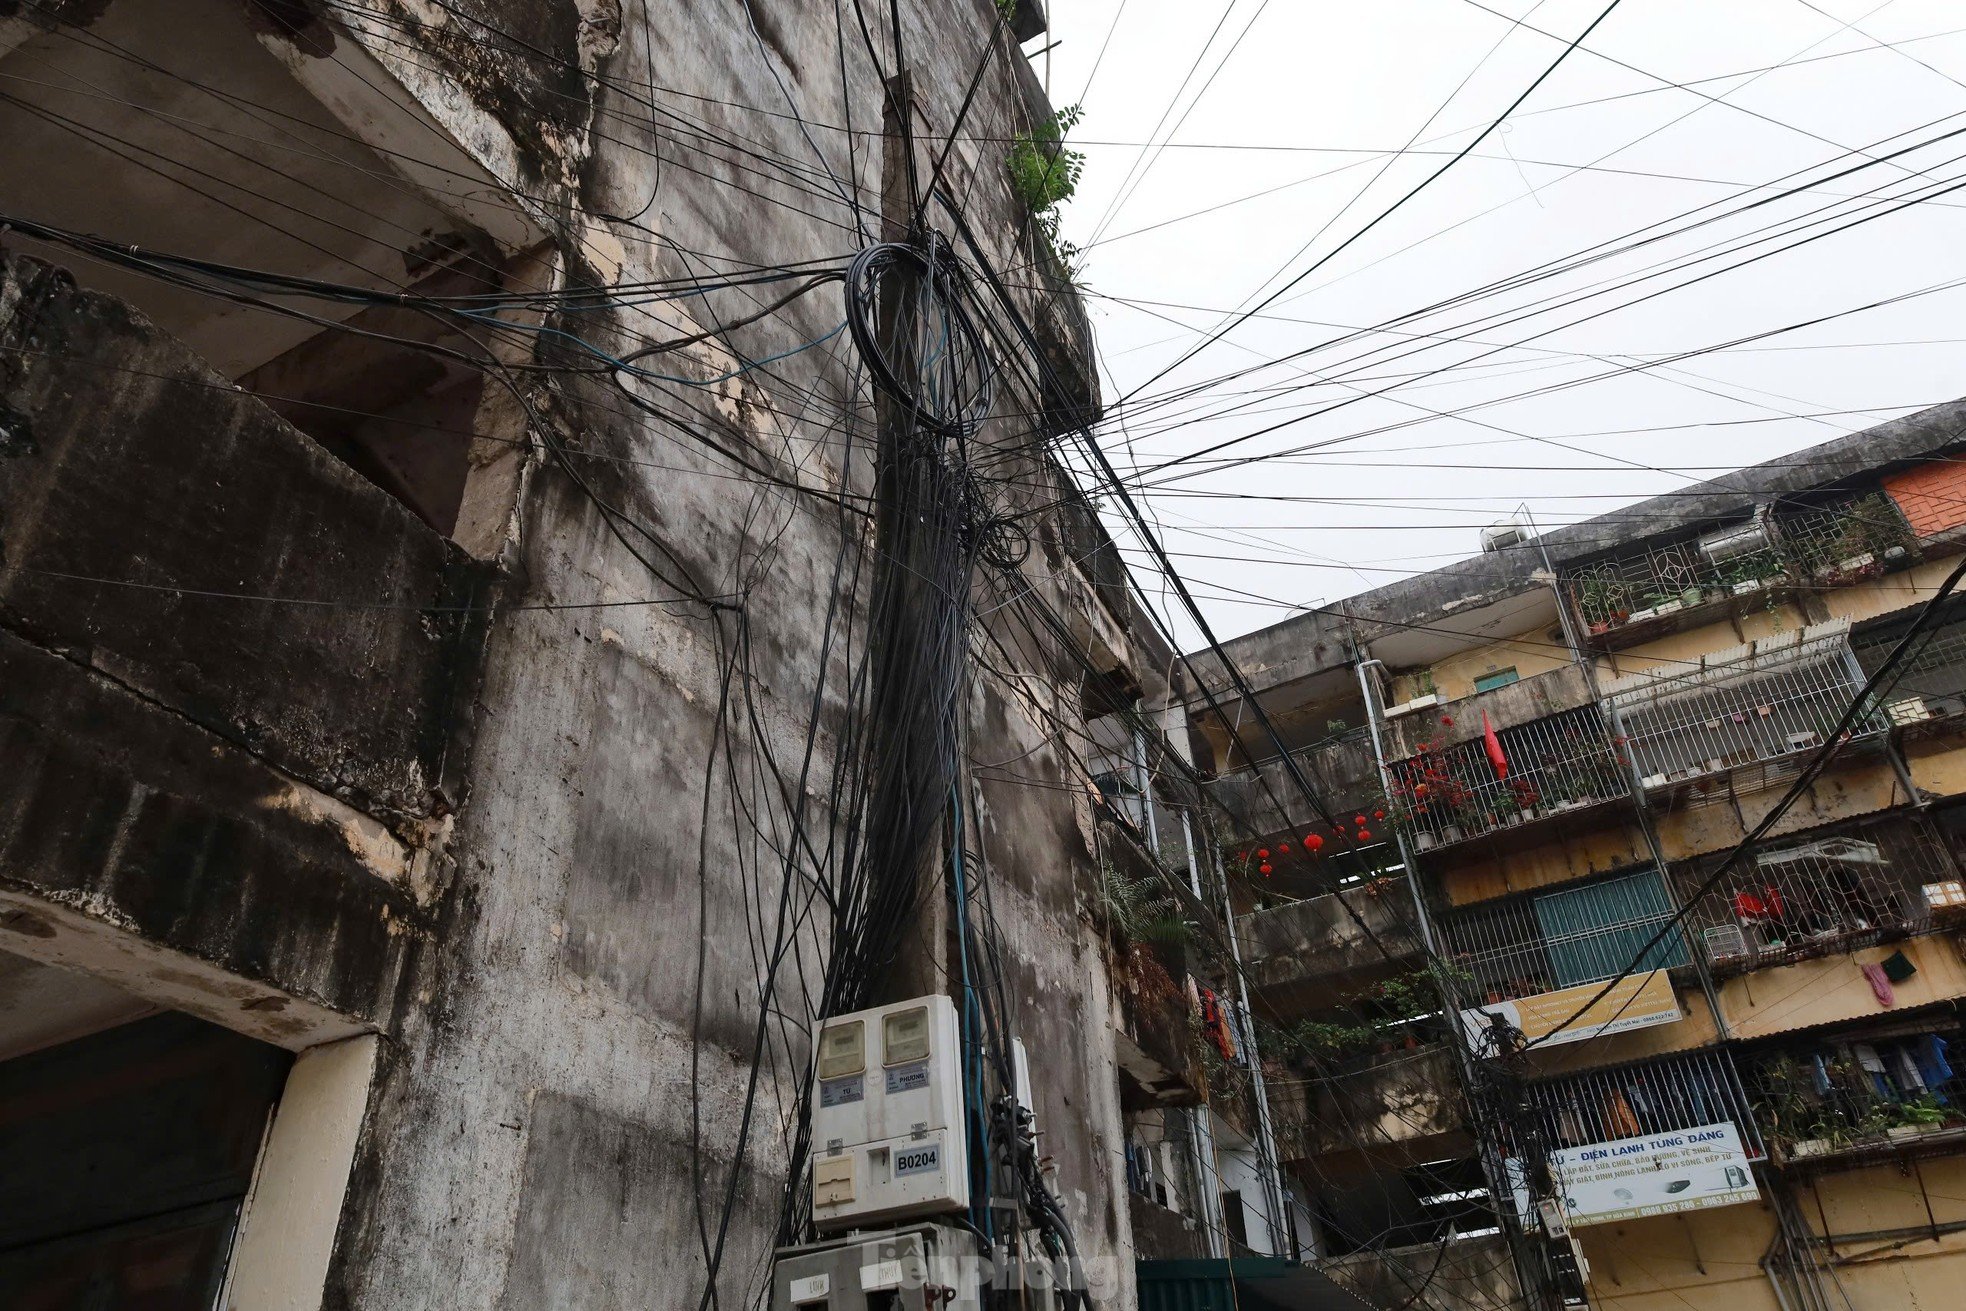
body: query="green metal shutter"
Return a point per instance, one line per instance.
(1592, 932)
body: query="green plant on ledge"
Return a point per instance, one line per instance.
(1044, 174)
(1136, 913)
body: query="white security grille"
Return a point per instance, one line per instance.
(1740, 711)
(1660, 1096)
(1555, 764)
(1807, 897)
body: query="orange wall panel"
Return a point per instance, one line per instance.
(1932, 496)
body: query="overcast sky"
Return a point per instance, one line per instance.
(1774, 95)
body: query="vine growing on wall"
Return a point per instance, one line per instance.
(1044, 174)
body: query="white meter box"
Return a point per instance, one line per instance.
(887, 1122)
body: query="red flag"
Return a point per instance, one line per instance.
(1493, 745)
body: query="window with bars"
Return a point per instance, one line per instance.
(1829, 892)
(1674, 576)
(1577, 934)
(1757, 705)
(1850, 537)
(1931, 683)
(1686, 1091)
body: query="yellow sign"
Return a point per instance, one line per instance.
(1637, 1001)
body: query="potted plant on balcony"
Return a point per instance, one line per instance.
(1528, 798)
(1918, 1117)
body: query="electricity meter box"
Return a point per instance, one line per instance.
(887, 1115)
(920, 1265)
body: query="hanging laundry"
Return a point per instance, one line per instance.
(1619, 1122)
(1873, 1065)
(1929, 1053)
(1905, 1070)
(1897, 967)
(1880, 984)
(1215, 1025)
(1819, 1077)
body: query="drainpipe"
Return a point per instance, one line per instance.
(1194, 868)
(1208, 1197)
(1268, 1167)
(1144, 781)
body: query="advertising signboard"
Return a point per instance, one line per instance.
(1684, 1170)
(1637, 1002)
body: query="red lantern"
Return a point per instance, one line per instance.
(1359, 820)
(1264, 870)
(1312, 842)
(1364, 836)
(1283, 847)
(1263, 854)
(1378, 814)
(1446, 721)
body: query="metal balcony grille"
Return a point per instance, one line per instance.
(1835, 893)
(1612, 593)
(1578, 934)
(1835, 1095)
(1555, 764)
(1931, 684)
(1677, 1092)
(1742, 711)
(1853, 537)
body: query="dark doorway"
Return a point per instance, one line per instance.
(128, 1156)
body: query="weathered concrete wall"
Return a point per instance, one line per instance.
(126, 460)
(1344, 775)
(1474, 1272)
(250, 780)
(1401, 1108)
(1564, 688)
(557, 1120)
(1306, 950)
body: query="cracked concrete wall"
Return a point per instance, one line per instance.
(556, 1120)
(488, 842)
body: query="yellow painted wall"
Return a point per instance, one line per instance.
(1923, 1274)
(1697, 1029)
(1705, 1260)
(1938, 765)
(1556, 862)
(1711, 1260)
(1892, 592)
(1689, 646)
(1863, 786)
(1531, 653)
(1831, 988)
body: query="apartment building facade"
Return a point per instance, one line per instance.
(1528, 943)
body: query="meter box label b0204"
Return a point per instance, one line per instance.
(889, 1110)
